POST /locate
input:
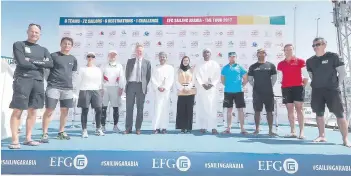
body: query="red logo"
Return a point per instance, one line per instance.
(159, 43)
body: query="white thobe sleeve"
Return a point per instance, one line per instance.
(122, 78)
(154, 80)
(170, 78)
(216, 77)
(198, 76)
(178, 85)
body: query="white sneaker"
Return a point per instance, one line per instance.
(99, 132)
(85, 134)
(103, 128)
(115, 129)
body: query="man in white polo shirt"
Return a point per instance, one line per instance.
(114, 82)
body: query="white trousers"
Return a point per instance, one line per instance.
(161, 115)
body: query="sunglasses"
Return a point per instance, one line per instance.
(90, 56)
(317, 45)
(37, 25)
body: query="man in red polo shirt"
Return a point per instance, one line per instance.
(293, 91)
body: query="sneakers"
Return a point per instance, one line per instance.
(85, 134)
(44, 138)
(63, 136)
(103, 128)
(99, 132)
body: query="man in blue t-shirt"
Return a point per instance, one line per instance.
(234, 78)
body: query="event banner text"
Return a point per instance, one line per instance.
(202, 20)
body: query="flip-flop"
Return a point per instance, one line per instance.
(244, 133)
(15, 146)
(226, 132)
(31, 143)
(273, 135)
(301, 137)
(291, 136)
(349, 146)
(322, 140)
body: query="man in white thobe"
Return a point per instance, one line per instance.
(162, 81)
(207, 76)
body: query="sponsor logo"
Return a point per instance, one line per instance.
(254, 56)
(112, 33)
(280, 45)
(76, 45)
(123, 44)
(242, 44)
(183, 163)
(267, 44)
(290, 166)
(254, 44)
(267, 34)
(278, 33)
(219, 114)
(170, 44)
(182, 44)
(146, 114)
(230, 44)
(230, 33)
(79, 162)
(88, 45)
(194, 44)
(99, 55)
(280, 55)
(111, 44)
(206, 33)
(219, 33)
(89, 34)
(171, 113)
(254, 33)
(146, 33)
(181, 55)
(79, 34)
(243, 57)
(195, 55)
(67, 33)
(332, 168)
(246, 66)
(159, 33)
(123, 33)
(194, 33)
(218, 44)
(119, 163)
(135, 34)
(101, 33)
(159, 44)
(18, 162)
(147, 44)
(170, 33)
(100, 44)
(220, 55)
(182, 33)
(224, 166)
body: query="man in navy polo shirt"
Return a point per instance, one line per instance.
(234, 78)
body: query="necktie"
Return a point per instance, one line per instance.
(138, 72)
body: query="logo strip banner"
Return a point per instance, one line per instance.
(171, 163)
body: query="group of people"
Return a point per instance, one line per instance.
(100, 87)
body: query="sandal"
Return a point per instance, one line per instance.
(15, 146)
(31, 143)
(291, 136)
(244, 133)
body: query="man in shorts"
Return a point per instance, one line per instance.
(60, 88)
(234, 78)
(327, 72)
(28, 84)
(293, 88)
(262, 77)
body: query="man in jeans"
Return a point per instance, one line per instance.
(60, 88)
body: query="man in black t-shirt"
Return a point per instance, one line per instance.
(60, 88)
(262, 77)
(28, 84)
(327, 72)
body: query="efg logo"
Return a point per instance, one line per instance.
(183, 163)
(79, 162)
(290, 166)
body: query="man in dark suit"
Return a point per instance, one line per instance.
(138, 74)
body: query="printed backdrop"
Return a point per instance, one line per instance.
(180, 36)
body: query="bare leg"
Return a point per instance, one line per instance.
(321, 129)
(242, 120)
(63, 119)
(257, 122)
(229, 120)
(32, 117)
(300, 118)
(343, 127)
(46, 119)
(270, 124)
(291, 117)
(14, 125)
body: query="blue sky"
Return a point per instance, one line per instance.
(14, 22)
